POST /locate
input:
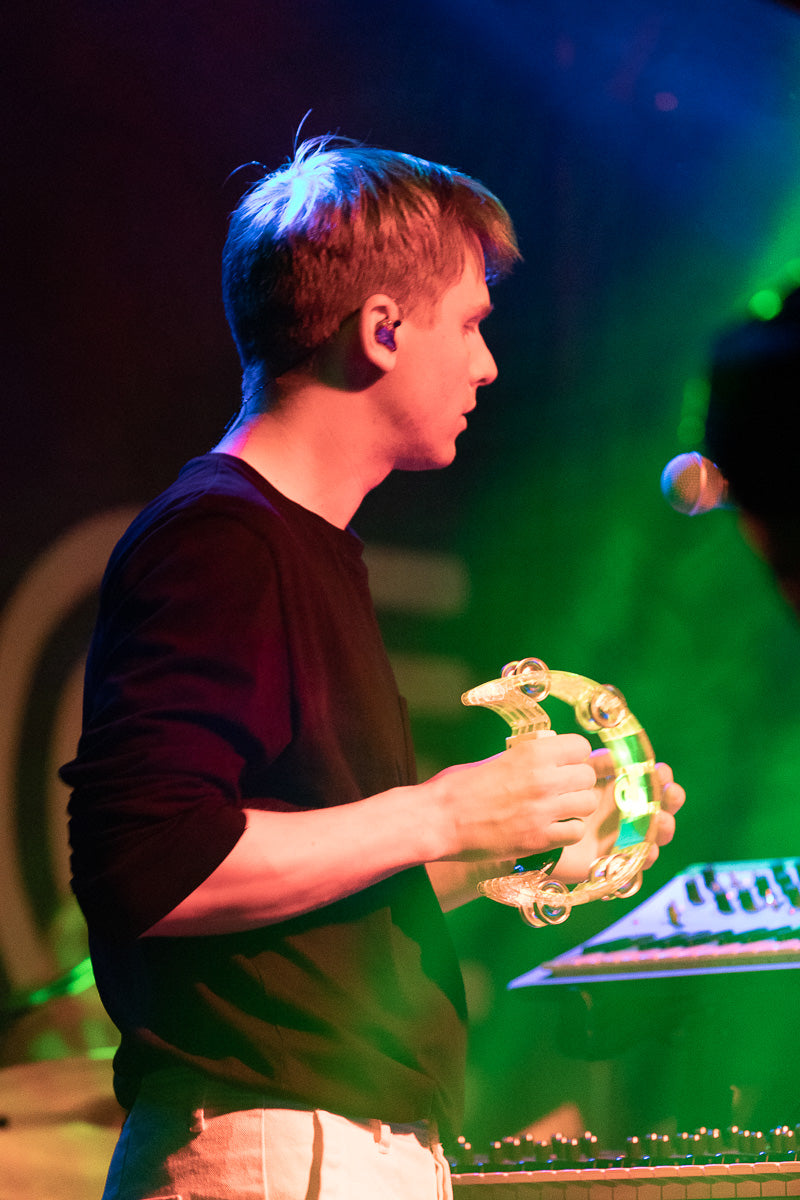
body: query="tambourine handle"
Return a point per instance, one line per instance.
(602, 710)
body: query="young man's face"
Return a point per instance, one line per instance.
(442, 360)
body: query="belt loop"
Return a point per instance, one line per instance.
(383, 1136)
(444, 1183)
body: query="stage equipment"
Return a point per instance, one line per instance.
(707, 1164)
(712, 918)
(689, 1000)
(692, 484)
(602, 710)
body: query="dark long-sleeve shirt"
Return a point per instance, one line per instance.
(237, 663)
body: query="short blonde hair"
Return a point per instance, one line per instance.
(337, 223)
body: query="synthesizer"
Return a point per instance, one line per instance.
(702, 1182)
(711, 918)
(704, 1165)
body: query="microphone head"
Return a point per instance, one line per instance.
(693, 484)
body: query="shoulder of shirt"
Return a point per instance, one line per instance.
(222, 490)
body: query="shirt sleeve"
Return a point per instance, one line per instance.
(187, 692)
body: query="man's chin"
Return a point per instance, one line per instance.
(431, 463)
(428, 460)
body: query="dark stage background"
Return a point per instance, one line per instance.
(648, 151)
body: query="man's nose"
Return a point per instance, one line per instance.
(484, 366)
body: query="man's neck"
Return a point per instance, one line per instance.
(312, 456)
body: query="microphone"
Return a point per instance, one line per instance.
(693, 484)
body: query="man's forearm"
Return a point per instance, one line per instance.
(287, 864)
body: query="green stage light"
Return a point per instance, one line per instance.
(765, 304)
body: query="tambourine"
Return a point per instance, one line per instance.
(602, 710)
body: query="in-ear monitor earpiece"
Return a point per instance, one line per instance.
(385, 334)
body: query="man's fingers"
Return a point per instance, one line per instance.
(578, 779)
(568, 831)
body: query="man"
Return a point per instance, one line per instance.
(249, 844)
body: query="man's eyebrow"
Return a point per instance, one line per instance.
(484, 311)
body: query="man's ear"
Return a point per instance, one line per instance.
(378, 320)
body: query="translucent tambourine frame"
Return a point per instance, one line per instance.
(602, 710)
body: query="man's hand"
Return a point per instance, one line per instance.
(533, 797)
(602, 828)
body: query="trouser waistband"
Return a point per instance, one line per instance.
(205, 1098)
